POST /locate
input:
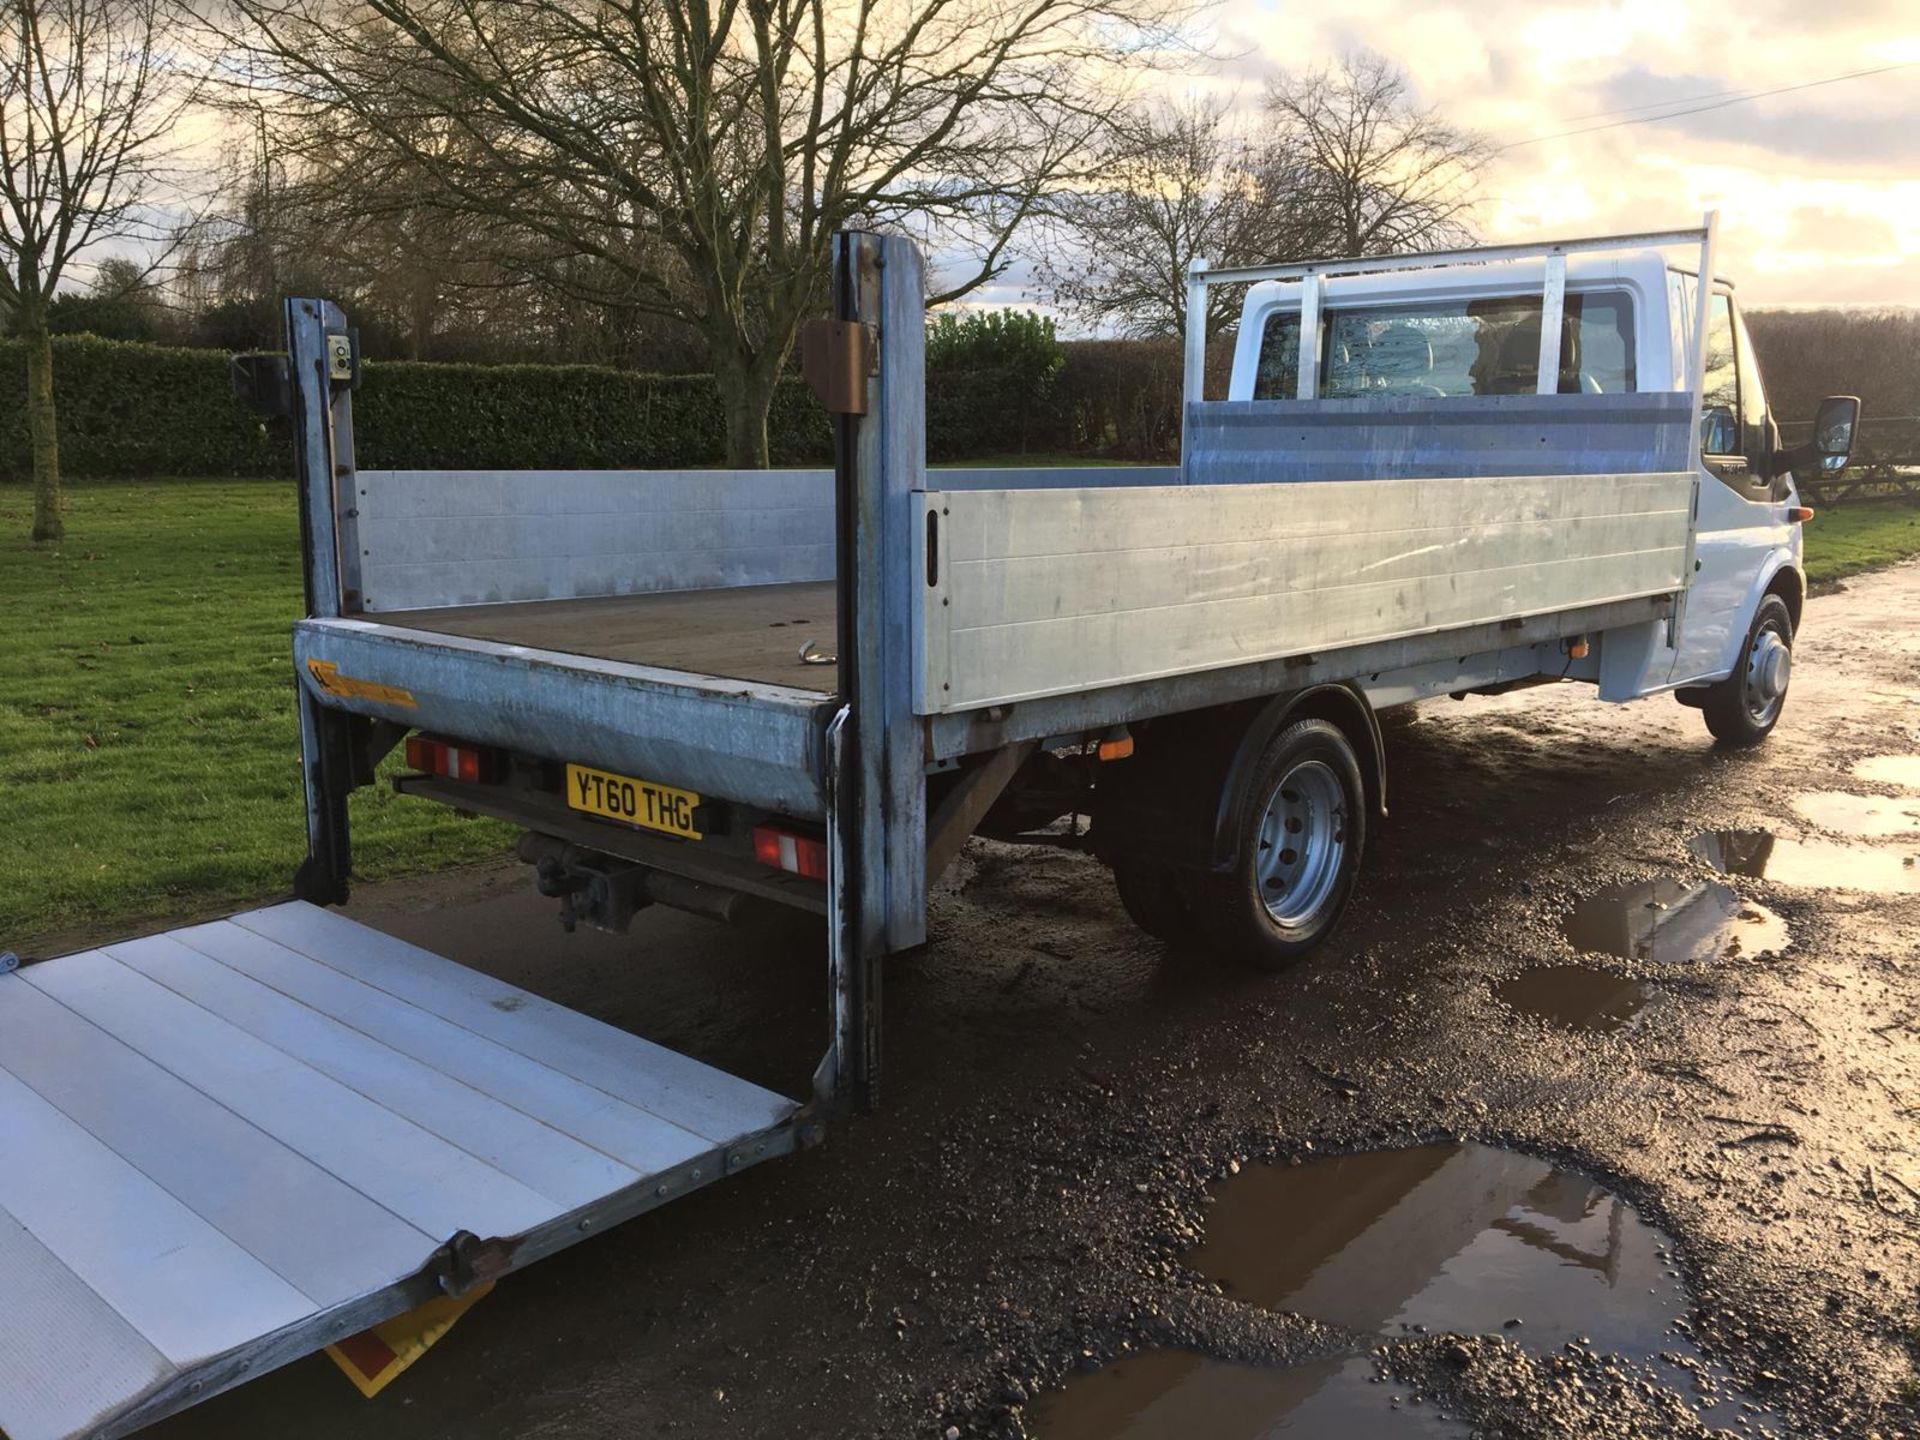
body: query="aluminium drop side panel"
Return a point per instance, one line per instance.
(739, 740)
(1046, 592)
(481, 537)
(1471, 650)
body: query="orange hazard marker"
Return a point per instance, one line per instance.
(373, 1358)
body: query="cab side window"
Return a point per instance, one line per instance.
(1736, 439)
(1720, 398)
(1756, 429)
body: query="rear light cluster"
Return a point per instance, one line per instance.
(790, 851)
(473, 763)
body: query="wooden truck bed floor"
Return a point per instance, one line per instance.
(749, 632)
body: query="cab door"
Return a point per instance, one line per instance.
(1742, 524)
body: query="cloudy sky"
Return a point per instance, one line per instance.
(1818, 190)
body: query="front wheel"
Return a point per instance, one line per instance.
(1297, 851)
(1743, 708)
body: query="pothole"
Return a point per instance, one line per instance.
(1868, 816)
(1177, 1395)
(1437, 1239)
(1818, 864)
(1576, 997)
(1679, 921)
(1463, 1239)
(1902, 770)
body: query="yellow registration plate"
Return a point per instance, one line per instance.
(633, 802)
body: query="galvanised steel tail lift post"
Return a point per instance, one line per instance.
(874, 352)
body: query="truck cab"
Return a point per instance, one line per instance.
(1413, 337)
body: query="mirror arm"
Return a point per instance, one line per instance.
(1793, 459)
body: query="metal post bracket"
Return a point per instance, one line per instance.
(837, 357)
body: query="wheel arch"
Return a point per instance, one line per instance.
(1152, 803)
(1790, 585)
(1340, 705)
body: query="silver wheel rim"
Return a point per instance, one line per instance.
(1302, 844)
(1769, 668)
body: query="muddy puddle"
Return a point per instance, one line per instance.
(1817, 864)
(1903, 770)
(1575, 997)
(1177, 1395)
(1437, 1239)
(1870, 817)
(1678, 921)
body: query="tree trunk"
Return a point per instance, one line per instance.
(42, 427)
(746, 390)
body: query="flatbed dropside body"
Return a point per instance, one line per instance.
(835, 673)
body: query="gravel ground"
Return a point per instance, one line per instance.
(1060, 1092)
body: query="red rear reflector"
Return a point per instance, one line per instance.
(1115, 749)
(472, 763)
(785, 850)
(1800, 514)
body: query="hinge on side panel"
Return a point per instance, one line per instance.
(837, 357)
(9, 962)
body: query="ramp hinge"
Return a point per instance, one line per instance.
(9, 962)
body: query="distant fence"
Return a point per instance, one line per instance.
(1885, 466)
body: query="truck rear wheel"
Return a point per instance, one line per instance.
(1300, 829)
(1743, 708)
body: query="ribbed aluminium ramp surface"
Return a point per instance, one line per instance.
(225, 1146)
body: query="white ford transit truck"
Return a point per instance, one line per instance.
(232, 1144)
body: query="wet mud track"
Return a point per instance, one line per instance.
(1031, 1216)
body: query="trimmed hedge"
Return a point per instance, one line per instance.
(421, 415)
(130, 409)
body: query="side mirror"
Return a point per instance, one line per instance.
(1833, 427)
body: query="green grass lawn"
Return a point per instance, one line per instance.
(149, 755)
(149, 761)
(1846, 539)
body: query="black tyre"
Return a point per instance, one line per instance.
(1157, 898)
(1743, 708)
(1300, 827)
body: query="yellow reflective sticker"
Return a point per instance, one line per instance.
(328, 677)
(374, 1357)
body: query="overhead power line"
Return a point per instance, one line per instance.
(1738, 97)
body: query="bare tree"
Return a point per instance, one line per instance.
(87, 110)
(1346, 163)
(692, 158)
(1177, 183)
(1180, 183)
(1383, 172)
